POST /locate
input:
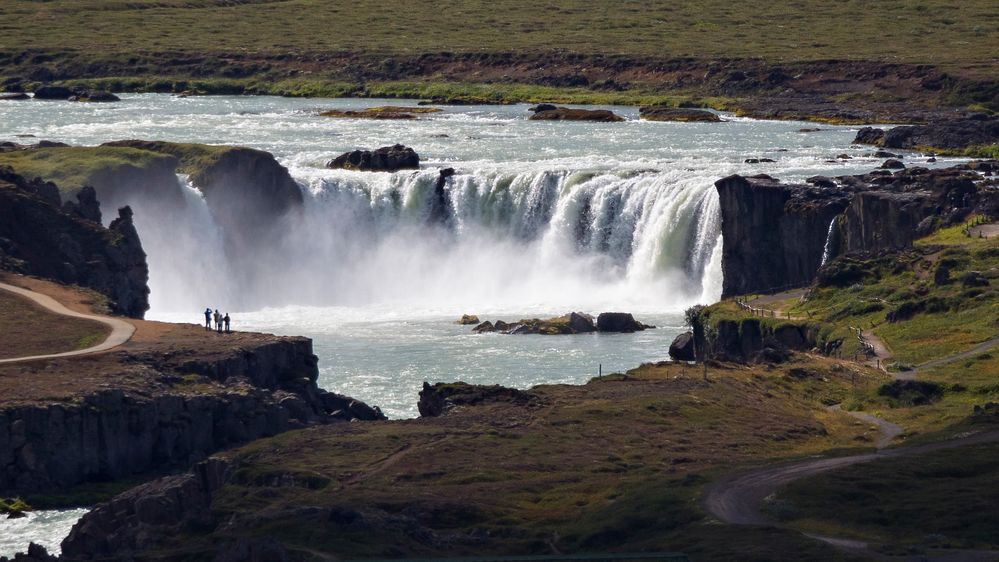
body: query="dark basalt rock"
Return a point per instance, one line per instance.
(38, 236)
(36, 553)
(619, 322)
(96, 96)
(774, 234)
(567, 114)
(124, 525)
(442, 398)
(951, 134)
(264, 389)
(384, 159)
(685, 115)
(441, 208)
(682, 348)
(892, 164)
(53, 93)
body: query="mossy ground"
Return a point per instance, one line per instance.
(614, 465)
(942, 499)
(74, 167)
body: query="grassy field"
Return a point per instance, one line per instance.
(939, 32)
(26, 329)
(614, 465)
(74, 167)
(941, 499)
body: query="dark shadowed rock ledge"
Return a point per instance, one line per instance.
(192, 404)
(39, 235)
(775, 234)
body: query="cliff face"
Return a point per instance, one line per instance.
(883, 221)
(194, 407)
(67, 244)
(773, 234)
(246, 188)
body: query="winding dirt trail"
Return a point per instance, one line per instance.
(121, 330)
(737, 499)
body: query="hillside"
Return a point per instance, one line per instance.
(708, 52)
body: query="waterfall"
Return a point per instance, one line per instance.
(515, 240)
(827, 249)
(183, 244)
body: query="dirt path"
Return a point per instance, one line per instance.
(980, 348)
(990, 230)
(882, 353)
(121, 331)
(887, 431)
(763, 301)
(737, 499)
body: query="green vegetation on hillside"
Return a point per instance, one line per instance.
(74, 167)
(940, 499)
(614, 465)
(954, 33)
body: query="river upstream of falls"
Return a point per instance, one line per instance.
(549, 217)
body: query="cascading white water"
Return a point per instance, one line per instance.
(828, 247)
(520, 240)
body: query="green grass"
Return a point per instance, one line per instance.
(940, 499)
(73, 167)
(961, 33)
(429, 89)
(614, 465)
(947, 318)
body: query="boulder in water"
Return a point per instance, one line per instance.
(53, 93)
(682, 348)
(567, 114)
(384, 159)
(681, 114)
(619, 322)
(484, 327)
(467, 319)
(96, 96)
(892, 164)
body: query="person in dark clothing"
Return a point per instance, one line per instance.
(218, 322)
(226, 320)
(208, 319)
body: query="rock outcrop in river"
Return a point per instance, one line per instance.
(775, 235)
(548, 112)
(384, 159)
(947, 135)
(66, 243)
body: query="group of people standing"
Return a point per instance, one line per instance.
(220, 321)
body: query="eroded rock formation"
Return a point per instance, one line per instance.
(39, 236)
